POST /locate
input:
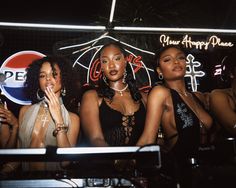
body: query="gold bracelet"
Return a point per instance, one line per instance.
(60, 125)
(59, 128)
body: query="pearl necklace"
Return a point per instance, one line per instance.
(120, 90)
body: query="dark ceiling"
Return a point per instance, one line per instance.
(155, 13)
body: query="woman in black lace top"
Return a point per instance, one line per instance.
(114, 113)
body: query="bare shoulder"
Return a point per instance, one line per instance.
(220, 94)
(22, 112)
(90, 98)
(24, 108)
(160, 90)
(74, 116)
(90, 93)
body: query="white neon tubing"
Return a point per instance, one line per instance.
(112, 10)
(117, 28)
(202, 30)
(52, 26)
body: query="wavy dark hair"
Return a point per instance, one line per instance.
(32, 76)
(105, 91)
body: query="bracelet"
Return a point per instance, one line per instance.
(59, 128)
(60, 125)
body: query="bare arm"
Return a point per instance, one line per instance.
(10, 122)
(65, 138)
(155, 109)
(70, 138)
(4, 134)
(12, 166)
(223, 110)
(89, 113)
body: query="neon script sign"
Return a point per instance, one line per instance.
(188, 42)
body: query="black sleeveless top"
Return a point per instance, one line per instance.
(176, 163)
(188, 128)
(119, 129)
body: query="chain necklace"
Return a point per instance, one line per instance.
(194, 108)
(185, 93)
(120, 90)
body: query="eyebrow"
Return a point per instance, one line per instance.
(113, 55)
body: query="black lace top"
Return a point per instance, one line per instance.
(119, 129)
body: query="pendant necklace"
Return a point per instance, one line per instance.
(44, 116)
(120, 90)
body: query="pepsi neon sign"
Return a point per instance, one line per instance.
(14, 69)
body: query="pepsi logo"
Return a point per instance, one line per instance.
(14, 69)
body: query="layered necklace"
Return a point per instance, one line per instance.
(120, 91)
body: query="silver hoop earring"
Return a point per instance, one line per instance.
(63, 92)
(124, 78)
(38, 95)
(160, 76)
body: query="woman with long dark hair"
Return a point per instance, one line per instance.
(179, 114)
(46, 122)
(113, 114)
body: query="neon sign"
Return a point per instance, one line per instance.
(187, 41)
(218, 70)
(86, 58)
(192, 71)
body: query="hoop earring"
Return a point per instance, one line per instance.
(160, 76)
(124, 78)
(63, 92)
(38, 96)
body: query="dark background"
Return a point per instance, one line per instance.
(149, 13)
(155, 13)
